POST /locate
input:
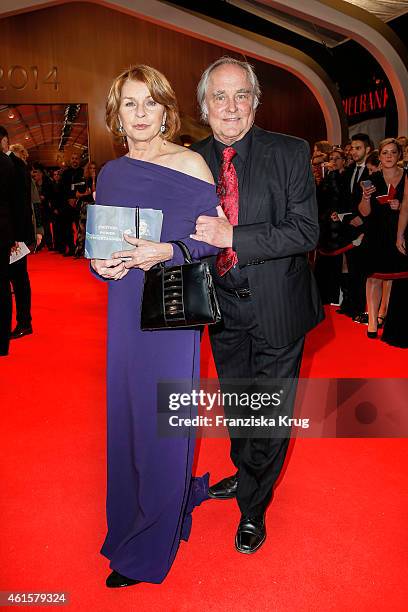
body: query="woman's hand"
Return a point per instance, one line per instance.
(401, 245)
(356, 222)
(111, 269)
(368, 191)
(394, 204)
(146, 254)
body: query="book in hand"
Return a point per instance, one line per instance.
(390, 195)
(107, 225)
(18, 252)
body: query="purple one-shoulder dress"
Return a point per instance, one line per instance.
(150, 490)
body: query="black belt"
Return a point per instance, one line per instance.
(239, 293)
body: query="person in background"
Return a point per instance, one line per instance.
(402, 141)
(19, 150)
(403, 163)
(347, 154)
(72, 179)
(85, 197)
(320, 157)
(355, 279)
(379, 248)
(58, 207)
(7, 240)
(25, 231)
(332, 197)
(373, 165)
(395, 330)
(46, 193)
(332, 190)
(373, 162)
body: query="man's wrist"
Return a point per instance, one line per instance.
(170, 252)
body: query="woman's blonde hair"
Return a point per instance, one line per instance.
(388, 141)
(160, 90)
(87, 169)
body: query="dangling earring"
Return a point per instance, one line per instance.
(163, 125)
(122, 131)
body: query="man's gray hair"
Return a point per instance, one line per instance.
(203, 84)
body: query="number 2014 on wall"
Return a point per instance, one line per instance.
(19, 77)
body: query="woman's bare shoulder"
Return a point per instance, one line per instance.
(190, 163)
(194, 164)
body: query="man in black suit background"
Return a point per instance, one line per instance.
(354, 281)
(7, 190)
(22, 215)
(268, 298)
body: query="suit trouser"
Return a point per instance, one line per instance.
(22, 291)
(328, 277)
(5, 300)
(241, 352)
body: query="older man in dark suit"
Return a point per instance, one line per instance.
(267, 294)
(22, 215)
(7, 194)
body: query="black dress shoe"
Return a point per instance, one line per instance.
(116, 580)
(19, 331)
(225, 489)
(251, 534)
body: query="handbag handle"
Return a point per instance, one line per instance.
(184, 249)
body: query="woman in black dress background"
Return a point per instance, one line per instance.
(381, 212)
(396, 325)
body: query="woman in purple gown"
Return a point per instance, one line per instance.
(150, 490)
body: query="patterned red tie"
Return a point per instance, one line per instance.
(228, 194)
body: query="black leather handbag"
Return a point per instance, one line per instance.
(179, 296)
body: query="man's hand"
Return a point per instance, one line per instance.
(146, 254)
(111, 269)
(38, 238)
(216, 231)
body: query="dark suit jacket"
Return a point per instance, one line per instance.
(356, 194)
(22, 210)
(277, 227)
(7, 191)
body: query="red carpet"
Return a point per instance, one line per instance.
(337, 528)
